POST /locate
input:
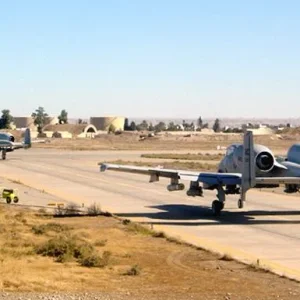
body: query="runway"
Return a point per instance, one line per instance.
(267, 229)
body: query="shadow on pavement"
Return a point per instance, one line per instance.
(188, 215)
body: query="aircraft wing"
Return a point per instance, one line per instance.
(155, 173)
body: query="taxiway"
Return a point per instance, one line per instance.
(266, 231)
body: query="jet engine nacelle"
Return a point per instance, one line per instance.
(175, 187)
(7, 137)
(263, 158)
(264, 161)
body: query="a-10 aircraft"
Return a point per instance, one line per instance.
(243, 167)
(8, 144)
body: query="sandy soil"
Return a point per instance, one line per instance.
(168, 269)
(277, 144)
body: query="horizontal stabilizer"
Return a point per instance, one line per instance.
(278, 180)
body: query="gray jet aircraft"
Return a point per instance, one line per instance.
(243, 167)
(8, 144)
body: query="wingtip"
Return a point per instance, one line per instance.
(103, 167)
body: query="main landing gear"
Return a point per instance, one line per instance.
(240, 203)
(218, 205)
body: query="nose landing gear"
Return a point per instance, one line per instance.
(3, 154)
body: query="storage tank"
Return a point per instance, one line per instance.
(51, 121)
(103, 123)
(24, 122)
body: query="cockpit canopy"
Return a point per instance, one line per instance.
(230, 150)
(6, 137)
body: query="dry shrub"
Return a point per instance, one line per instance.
(44, 228)
(72, 209)
(95, 260)
(61, 247)
(94, 210)
(133, 271)
(67, 247)
(100, 243)
(159, 234)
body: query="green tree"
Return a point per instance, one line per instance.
(161, 126)
(132, 126)
(217, 126)
(126, 124)
(143, 126)
(151, 127)
(39, 118)
(79, 121)
(200, 122)
(172, 127)
(63, 117)
(6, 119)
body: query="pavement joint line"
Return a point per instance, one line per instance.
(201, 242)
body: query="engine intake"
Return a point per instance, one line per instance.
(265, 161)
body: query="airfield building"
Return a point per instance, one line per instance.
(104, 123)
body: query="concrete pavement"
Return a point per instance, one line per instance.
(267, 229)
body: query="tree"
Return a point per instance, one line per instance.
(79, 121)
(39, 118)
(217, 126)
(63, 117)
(143, 126)
(161, 126)
(6, 119)
(173, 127)
(151, 127)
(200, 123)
(132, 126)
(126, 124)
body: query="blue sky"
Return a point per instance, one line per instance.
(151, 58)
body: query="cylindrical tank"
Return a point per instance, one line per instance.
(294, 154)
(51, 121)
(104, 123)
(23, 122)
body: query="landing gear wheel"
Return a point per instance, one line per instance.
(240, 203)
(217, 206)
(8, 200)
(16, 199)
(3, 155)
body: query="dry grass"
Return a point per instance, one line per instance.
(168, 142)
(183, 165)
(185, 156)
(94, 254)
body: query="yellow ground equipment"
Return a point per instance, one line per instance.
(9, 195)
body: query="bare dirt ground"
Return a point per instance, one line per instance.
(130, 141)
(157, 267)
(135, 263)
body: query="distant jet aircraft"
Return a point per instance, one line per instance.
(243, 167)
(8, 144)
